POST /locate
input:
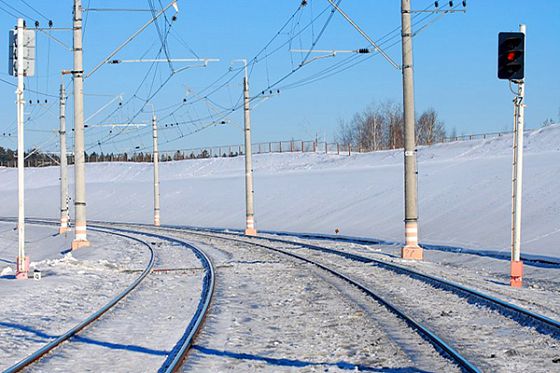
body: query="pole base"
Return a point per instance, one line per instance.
(62, 230)
(516, 274)
(250, 232)
(22, 275)
(412, 253)
(78, 244)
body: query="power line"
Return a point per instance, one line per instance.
(35, 10)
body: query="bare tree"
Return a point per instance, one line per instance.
(381, 126)
(429, 129)
(347, 133)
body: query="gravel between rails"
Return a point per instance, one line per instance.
(271, 313)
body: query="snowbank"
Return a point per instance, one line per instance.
(464, 193)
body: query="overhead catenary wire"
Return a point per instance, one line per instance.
(217, 85)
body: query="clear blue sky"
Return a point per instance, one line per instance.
(455, 69)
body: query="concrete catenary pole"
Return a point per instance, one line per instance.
(64, 216)
(516, 269)
(411, 250)
(156, 172)
(249, 192)
(80, 239)
(22, 262)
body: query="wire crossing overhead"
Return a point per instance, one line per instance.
(376, 47)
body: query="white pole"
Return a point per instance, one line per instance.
(22, 260)
(156, 172)
(64, 216)
(516, 275)
(411, 249)
(249, 207)
(80, 239)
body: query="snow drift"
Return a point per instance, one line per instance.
(464, 193)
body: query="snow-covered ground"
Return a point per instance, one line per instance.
(464, 193)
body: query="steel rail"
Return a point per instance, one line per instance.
(440, 345)
(175, 359)
(551, 326)
(37, 355)
(523, 316)
(180, 350)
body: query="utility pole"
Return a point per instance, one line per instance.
(22, 261)
(249, 192)
(64, 216)
(80, 239)
(516, 268)
(411, 250)
(156, 172)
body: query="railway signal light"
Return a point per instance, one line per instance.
(511, 55)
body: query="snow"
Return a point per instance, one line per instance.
(274, 314)
(464, 193)
(137, 335)
(72, 286)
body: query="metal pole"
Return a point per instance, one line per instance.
(411, 250)
(156, 172)
(22, 260)
(80, 239)
(63, 165)
(249, 208)
(516, 269)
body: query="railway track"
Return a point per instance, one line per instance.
(523, 316)
(175, 357)
(527, 320)
(315, 255)
(440, 345)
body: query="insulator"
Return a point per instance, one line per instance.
(451, 4)
(50, 24)
(363, 50)
(36, 24)
(464, 4)
(436, 4)
(184, 100)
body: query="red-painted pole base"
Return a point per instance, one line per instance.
(412, 253)
(411, 250)
(78, 244)
(22, 275)
(516, 274)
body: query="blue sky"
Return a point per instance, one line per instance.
(454, 57)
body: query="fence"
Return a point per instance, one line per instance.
(291, 146)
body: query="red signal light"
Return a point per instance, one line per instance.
(511, 56)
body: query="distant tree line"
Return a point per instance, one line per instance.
(381, 126)
(32, 157)
(37, 158)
